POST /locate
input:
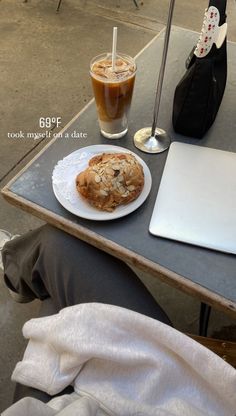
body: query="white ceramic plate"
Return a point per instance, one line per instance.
(63, 182)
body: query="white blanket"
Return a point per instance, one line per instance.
(129, 363)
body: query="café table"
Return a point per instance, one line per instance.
(205, 274)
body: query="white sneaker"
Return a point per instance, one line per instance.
(5, 236)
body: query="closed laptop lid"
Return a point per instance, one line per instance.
(196, 201)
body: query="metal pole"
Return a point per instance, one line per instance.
(154, 139)
(162, 69)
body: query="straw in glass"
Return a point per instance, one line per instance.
(114, 43)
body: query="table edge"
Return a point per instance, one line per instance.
(143, 264)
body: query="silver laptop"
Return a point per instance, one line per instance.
(196, 201)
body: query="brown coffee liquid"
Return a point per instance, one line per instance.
(113, 98)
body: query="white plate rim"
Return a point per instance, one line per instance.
(120, 211)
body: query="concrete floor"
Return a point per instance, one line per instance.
(44, 72)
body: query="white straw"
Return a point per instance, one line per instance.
(114, 42)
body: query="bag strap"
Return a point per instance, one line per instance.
(221, 6)
(212, 32)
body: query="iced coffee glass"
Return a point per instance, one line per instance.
(113, 92)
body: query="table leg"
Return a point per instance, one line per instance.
(136, 4)
(205, 311)
(58, 6)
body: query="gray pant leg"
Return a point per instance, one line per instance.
(48, 262)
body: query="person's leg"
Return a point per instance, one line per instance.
(48, 262)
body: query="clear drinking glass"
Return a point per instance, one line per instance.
(113, 92)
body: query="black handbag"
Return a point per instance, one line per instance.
(199, 93)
